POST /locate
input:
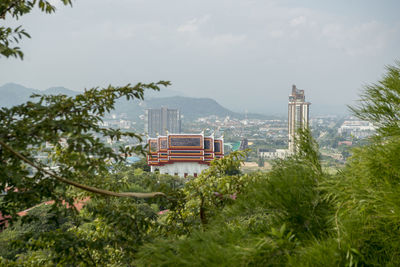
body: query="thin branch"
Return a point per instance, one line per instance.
(11, 6)
(78, 185)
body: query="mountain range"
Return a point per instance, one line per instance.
(191, 108)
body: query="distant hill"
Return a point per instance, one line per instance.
(164, 92)
(191, 108)
(12, 94)
(59, 90)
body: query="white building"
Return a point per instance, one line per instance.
(356, 128)
(274, 153)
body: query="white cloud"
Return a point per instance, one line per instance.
(228, 39)
(298, 21)
(275, 34)
(360, 39)
(193, 24)
(203, 38)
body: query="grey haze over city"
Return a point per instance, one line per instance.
(245, 54)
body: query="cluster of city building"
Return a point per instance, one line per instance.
(172, 152)
(356, 128)
(268, 138)
(162, 120)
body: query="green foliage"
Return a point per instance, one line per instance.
(380, 103)
(295, 215)
(135, 179)
(263, 226)
(229, 165)
(366, 198)
(9, 37)
(365, 193)
(39, 221)
(307, 150)
(108, 231)
(69, 126)
(142, 164)
(206, 195)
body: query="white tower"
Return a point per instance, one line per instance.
(298, 115)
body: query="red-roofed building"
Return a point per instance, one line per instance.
(183, 154)
(78, 204)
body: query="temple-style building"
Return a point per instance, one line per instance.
(183, 154)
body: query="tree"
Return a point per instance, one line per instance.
(272, 216)
(380, 103)
(204, 196)
(50, 146)
(66, 131)
(63, 129)
(10, 37)
(141, 164)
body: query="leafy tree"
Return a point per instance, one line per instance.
(66, 130)
(307, 150)
(52, 145)
(365, 193)
(39, 220)
(295, 215)
(107, 231)
(203, 197)
(380, 103)
(142, 164)
(273, 215)
(9, 37)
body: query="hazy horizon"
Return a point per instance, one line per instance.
(244, 54)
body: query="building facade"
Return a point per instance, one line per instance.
(163, 120)
(356, 128)
(183, 154)
(273, 153)
(298, 115)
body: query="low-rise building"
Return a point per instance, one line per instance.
(356, 128)
(274, 153)
(183, 154)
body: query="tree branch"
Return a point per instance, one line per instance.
(11, 6)
(78, 185)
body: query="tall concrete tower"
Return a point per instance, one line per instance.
(298, 114)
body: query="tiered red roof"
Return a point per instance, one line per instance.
(184, 148)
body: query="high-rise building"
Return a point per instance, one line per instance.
(162, 121)
(298, 114)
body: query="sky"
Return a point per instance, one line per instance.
(246, 54)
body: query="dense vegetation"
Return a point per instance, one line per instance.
(295, 215)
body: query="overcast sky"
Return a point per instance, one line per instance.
(246, 54)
